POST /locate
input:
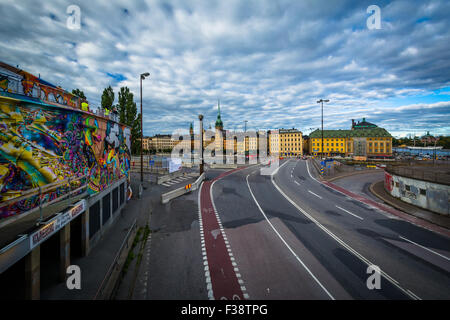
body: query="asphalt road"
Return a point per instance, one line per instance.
(295, 238)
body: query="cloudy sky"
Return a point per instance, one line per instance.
(267, 61)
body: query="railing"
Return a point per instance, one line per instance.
(115, 266)
(40, 91)
(436, 174)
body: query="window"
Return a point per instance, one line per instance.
(423, 192)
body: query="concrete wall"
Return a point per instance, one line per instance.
(428, 195)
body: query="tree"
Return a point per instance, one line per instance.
(107, 98)
(79, 93)
(128, 115)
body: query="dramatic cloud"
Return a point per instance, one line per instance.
(267, 61)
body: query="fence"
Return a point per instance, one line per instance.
(109, 283)
(437, 174)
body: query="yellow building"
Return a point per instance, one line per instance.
(363, 140)
(286, 142)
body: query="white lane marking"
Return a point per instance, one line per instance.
(440, 255)
(341, 242)
(165, 184)
(296, 182)
(315, 194)
(356, 216)
(289, 248)
(205, 258)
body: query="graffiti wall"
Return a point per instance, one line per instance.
(41, 145)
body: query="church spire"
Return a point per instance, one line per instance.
(219, 123)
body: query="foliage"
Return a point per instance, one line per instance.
(78, 93)
(128, 115)
(443, 141)
(107, 98)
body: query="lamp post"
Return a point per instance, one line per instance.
(200, 117)
(322, 101)
(143, 75)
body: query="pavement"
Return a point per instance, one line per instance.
(295, 237)
(95, 266)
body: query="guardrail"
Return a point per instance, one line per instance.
(431, 174)
(166, 197)
(108, 284)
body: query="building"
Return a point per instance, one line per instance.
(159, 143)
(364, 140)
(286, 142)
(428, 139)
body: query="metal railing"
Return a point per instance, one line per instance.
(40, 91)
(436, 174)
(115, 265)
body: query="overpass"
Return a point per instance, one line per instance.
(63, 180)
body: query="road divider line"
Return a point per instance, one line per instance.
(356, 216)
(440, 255)
(296, 182)
(315, 194)
(341, 242)
(285, 243)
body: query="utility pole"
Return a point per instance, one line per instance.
(245, 125)
(322, 101)
(200, 117)
(142, 77)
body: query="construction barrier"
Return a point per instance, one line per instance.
(166, 197)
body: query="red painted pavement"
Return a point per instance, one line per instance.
(417, 221)
(223, 278)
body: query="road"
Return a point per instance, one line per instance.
(288, 236)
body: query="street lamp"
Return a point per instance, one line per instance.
(322, 101)
(143, 76)
(200, 117)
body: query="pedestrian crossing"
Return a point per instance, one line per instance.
(176, 180)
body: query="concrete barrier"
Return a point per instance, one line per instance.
(166, 197)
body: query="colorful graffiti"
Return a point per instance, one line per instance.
(43, 144)
(17, 81)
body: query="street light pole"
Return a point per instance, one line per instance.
(142, 77)
(200, 117)
(322, 101)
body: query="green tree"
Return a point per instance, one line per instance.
(107, 98)
(128, 115)
(78, 93)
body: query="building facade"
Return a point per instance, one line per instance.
(286, 142)
(364, 140)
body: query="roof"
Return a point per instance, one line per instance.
(364, 124)
(372, 132)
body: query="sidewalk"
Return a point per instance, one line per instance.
(95, 266)
(377, 189)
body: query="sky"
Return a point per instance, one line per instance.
(267, 61)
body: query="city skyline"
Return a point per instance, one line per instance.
(268, 63)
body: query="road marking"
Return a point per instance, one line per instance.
(345, 245)
(440, 255)
(224, 236)
(315, 194)
(349, 212)
(289, 248)
(296, 182)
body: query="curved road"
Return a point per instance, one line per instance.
(291, 237)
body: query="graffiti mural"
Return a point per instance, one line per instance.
(43, 144)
